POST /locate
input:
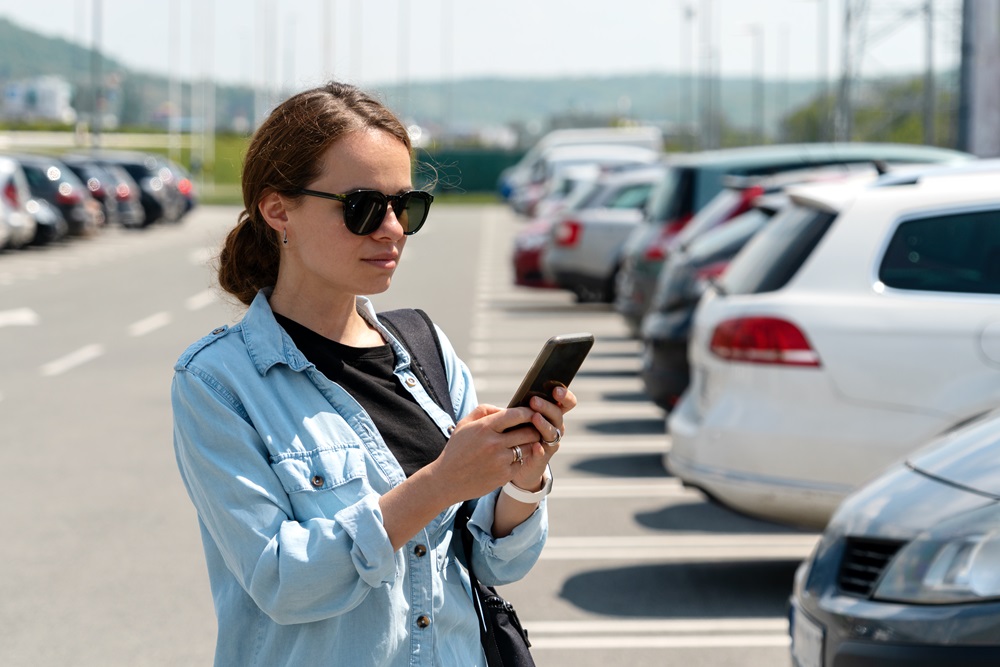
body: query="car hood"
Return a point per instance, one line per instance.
(968, 457)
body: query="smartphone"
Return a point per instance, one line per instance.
(555, 366)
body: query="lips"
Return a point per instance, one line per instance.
(386, 261)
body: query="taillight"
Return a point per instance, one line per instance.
(763, 340)
(10, 194)
(712, 271)
(747, 198)
(122, 192)
(95, 187)
(67, 194)
(185, 186)
(659, 248)
(567, 233)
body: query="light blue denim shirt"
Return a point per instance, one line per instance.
(285, 470)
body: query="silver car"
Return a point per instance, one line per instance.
(14, 198)
(908, 570)
(584, 246)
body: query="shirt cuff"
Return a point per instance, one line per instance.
(371, 551)
(524, 537)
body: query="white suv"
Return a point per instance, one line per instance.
(861, 322)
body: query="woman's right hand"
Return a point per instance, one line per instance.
(479, 456)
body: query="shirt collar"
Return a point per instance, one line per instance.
(268, 344)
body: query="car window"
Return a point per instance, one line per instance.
(673, 196)
(38, 182)
(774, 255)
(957, 252)
(631, 196)
(711, 215)
(740, 229)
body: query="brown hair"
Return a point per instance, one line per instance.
(284, 155)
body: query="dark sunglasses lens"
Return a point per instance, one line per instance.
(411, 211)
(364, 212)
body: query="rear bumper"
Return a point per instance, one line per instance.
(664, 371)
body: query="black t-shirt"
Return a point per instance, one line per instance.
(366, 373)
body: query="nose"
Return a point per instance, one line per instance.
(391, 226)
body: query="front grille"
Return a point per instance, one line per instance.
(863, 563)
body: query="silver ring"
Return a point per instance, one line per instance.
(518, 455)
(553, 441)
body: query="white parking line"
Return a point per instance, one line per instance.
(681, 548)
(200, 300)
(19, 317)
(653, 641)
(659, 633)
(149, 324)
(72, 360)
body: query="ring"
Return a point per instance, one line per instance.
(553, 441)
(518, 456)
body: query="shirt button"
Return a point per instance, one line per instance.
(451, 429)
(410, 381)
(423, 622)
(216, 332)
(420, 550)
(317, 481)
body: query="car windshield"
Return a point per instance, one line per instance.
(741, 228)
(773, 256)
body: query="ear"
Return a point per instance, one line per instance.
(272, 209)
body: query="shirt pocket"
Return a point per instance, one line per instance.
(321, 482)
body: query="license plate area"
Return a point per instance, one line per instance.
(807, 641)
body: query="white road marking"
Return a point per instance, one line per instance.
(681, 548)
(659, 633)
(149, 324)
(621, 487)
(19, 317)
(72, 360)
(651, 641)
(200, 300)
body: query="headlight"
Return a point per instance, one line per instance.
(956, 562)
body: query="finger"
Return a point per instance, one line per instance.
(564, 398)
(550, 411)
(511, 418)
(480, 411)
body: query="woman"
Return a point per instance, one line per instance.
(325, 477)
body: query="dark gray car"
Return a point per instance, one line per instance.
(908, 570)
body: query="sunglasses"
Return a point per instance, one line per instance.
(364, 210)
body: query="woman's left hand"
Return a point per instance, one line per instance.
(550, 424)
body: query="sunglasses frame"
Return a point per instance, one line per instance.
(384, 202)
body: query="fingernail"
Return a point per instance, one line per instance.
(560, 392)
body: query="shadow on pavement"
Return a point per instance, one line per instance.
(708, 517)
(626, 397)
(633, 465)
(628, 427)
(746, 589)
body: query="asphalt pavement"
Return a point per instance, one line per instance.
(102, 558)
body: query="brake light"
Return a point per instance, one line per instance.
(711, 271)
(763, 340)
(10, 194)
(659, 248)
(122, 192)
(185, 186)
(567, 233)
(747, 198)
(95, 187)
(67, 194)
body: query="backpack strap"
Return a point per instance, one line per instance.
(415, 330)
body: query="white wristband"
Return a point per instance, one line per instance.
(519, 494)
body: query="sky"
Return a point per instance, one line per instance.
(301, 43)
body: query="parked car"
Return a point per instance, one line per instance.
(584, 245)
(50, 224)
(685, 276)
(15, 194)
(858, 324)
(50, 179)
(698, 255)
(160, 197)
(110, 185)
(526, 257)
(519, 174)
(694, 179)
(907, 571)
(185, 185)
(601, 156)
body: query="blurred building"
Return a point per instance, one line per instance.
(46, 98)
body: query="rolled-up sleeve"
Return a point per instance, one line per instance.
(295, 571)
(499, 561)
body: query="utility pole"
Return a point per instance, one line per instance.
(174, 122)
(929, 93)
(96, 75)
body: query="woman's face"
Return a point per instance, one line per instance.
(322, 258)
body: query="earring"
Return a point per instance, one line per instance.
(284, 237)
